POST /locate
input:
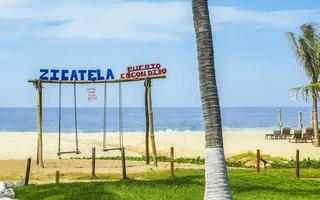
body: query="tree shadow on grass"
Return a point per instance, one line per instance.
(72, 191)
(175, 188)
(266, 186)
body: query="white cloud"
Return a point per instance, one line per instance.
(277, 19)
(136, 20)
(127, 20)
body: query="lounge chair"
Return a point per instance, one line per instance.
(297, 137)
(279, 135)
(285, 133)
(309, 130)
(275, 135)
(309, 134)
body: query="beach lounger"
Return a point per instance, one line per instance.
(272, 136)
(309, 130)
(286, 133)
(298, 137)
(279, 135)
(309, 134)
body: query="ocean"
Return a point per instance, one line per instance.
(165, 119)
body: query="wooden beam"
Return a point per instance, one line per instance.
(57, 177)
(93, 172)
(258, 161)
(147, 86)
(26, 180)
(68, 152)
(38, 86)
(297, 164)
(172, 161)
(123, 161)
(97, 81)
(152, 137)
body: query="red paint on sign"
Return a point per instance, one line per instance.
(147, 70)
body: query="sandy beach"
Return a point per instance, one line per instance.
(16, 146)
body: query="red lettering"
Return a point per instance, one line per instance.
(122, 76)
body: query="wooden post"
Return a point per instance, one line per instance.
(172, 161)
(258, 160)
(57, 177)
(123, 158)
(26, 180)
(147, 85)
(38, 86)
(152, 138)
(93, 162)
(297, 164)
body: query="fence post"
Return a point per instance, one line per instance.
(93, 162)
(57, 177)
(172, 161)
(297, 164)
(123, 159)
(258, 160)
(26, 180)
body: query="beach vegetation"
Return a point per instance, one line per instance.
(243, 160)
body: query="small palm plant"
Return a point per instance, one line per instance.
(307, 50)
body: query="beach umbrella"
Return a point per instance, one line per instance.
(279, 118)
(300, 125)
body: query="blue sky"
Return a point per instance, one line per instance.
(254, 61)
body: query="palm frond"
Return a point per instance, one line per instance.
(307, 50)
(308, 59)
(306, 92)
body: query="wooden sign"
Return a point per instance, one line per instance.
(147, 70)
(138, 71)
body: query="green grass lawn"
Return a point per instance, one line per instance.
(188, 184)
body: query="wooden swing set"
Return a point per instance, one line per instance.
(148, 116)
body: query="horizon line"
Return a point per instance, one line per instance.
(161, 107)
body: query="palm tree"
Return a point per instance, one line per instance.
(307, 50)
(217, 186)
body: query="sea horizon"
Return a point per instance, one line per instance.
(166, 119)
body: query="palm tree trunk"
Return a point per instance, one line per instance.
(216, 174)
(315, 118)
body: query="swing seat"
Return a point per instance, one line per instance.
(68, 152)
(113, 149)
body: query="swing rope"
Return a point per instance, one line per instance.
(120, 117)
(75, 120)
(105, 117)
(59, 146)
(120, 120)
(75, 115)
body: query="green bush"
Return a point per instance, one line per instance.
(272, 162)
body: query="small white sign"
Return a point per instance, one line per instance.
(92, 96)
